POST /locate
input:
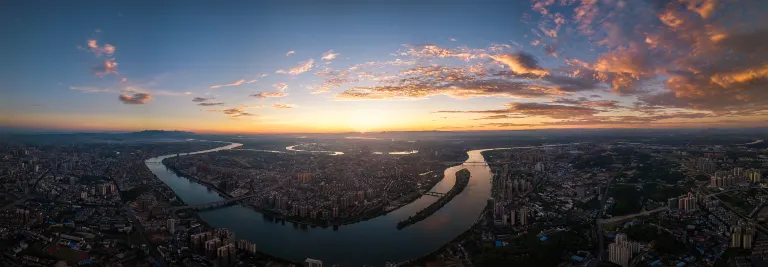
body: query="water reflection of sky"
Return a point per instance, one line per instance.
(370, 242)
(333, 153)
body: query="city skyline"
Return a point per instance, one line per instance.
(385, 66)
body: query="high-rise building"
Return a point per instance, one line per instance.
(691, 202)
(252, 249)
(304, 177)
(196, 241)
(738, 171)
(621, 251)
(103, 189)
(539, 166)
(242, 244)
(619, 254)
(523, 216)
(224, 234)
(743, 235)
(622, 239)
(753, 175)
(211, 247)
(232, 254)
(685, 202)
(736, 237)
(512, 217)
(748, 237)
(672, 203)
(226, 255)
(171, 225)
(721, 173)
(312, 263)
(303, 210)
(498, 210)
(705, 165)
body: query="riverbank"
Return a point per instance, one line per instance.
(377, 211)
(197, 180)
(195, 216)
(462, 180)
(421, 261)
(384, 243)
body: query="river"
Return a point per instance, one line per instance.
(372, 242)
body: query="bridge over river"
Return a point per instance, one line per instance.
(477, 163)
(343, 246)
(234, 200)
(213, 205)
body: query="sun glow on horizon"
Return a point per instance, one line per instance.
(368, 120)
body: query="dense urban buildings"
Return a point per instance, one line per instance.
(577, 203)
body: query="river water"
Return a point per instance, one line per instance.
(374, 242)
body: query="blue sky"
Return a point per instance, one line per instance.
(176, 50)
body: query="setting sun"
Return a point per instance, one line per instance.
(368, 120)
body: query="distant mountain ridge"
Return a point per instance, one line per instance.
(146, 135)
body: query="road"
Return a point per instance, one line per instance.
(152, 249)
(630, 216)
(729, 207)
(598, 224)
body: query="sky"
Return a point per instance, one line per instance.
(367, 66)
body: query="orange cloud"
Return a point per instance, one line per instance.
(106, 49)
(135, 99)
(705, 8)
(108, 66)
(262, 95)
(329, 55)
(236, 83)
(521, 63)
(333, 79)
(281, 87)
(301, 68)
(235, 112)
(434, 51)
(282, 106)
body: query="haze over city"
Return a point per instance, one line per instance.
(344, 66)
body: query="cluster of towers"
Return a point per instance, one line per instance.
(622, 251)
(728, 178)
(219, 245)
(683, 203)
(742, 235)
(510, 217)
(510, 186)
